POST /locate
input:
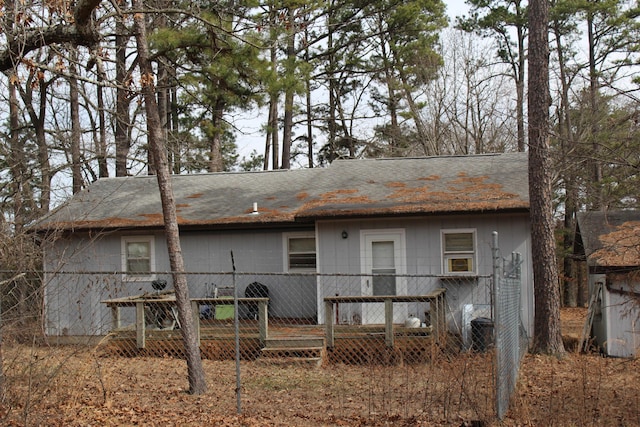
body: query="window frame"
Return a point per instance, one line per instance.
(464, 254)
(286, 238)
(132, 277)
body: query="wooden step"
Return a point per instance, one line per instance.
(285, 351)
(294, 342)
(276, 352)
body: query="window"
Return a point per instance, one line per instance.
(138, 258)
(459, 252)
(301, 252)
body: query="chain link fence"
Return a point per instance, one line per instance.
(510, 335)
(302, 337)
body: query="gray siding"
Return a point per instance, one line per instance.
(423, 253)
(74, 301)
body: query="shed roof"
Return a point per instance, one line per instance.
(610, 239)
(346, 189)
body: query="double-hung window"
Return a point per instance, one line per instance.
(138, 258)
(300, 250)
(459, 252)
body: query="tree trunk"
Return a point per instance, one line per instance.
(197, 382)
(216, 162)
(520, 87)
(122, 98)
(176, 144)
(421, 129)
(16, 161)
(38, 122)
(392, 101)
(333, 90)
(272, 124)
(309, 106)
(596, 199)
(267, 142)
(43, 150)
(273, 128)
(101, 142)
(74, 104)
(547, 337)
(565, 130)
(287, 127)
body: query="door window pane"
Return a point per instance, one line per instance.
(383, 255)
(383, 263)
(384, 285)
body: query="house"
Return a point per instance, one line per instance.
(306, 234)
(610, 243)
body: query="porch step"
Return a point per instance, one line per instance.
(275, 352)
(294, 342)
(307, 351)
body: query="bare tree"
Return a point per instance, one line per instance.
(82, 32)
(504, 19)
(470, 107)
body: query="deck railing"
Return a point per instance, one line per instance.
(435, 299)
(167, 301)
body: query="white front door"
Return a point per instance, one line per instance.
(382, 259)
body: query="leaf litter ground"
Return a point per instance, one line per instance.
(65, 387)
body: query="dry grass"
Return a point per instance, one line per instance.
(69, 386)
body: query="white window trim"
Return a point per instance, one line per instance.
(152, 254)
(285, 250)
(474, 256)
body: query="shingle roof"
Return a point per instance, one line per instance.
(348, 188)
(610, 239)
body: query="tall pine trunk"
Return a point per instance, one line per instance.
(565, 134)
(156, 135)
(216, 161)
(287, 126)
(547, 337)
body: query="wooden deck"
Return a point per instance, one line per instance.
(273, 338)
(355, 344)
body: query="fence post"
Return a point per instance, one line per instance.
(115, 317)
(495, 252)
(440, 324)
(495, 255)
(140, 325)
(328, 320)
(195, 309)
(236, 324)
(263, 320)
(388, 321)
